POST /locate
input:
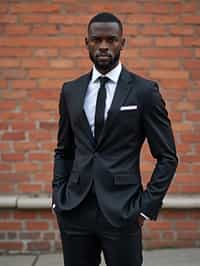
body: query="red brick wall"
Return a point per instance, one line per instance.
(41, 46)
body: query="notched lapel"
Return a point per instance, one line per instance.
(82, 86)
(121, 93)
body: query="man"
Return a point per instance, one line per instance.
(105, 117)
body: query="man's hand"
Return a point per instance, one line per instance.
(141, 220)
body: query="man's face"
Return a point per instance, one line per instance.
(104, 43)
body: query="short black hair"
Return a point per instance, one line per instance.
(105, 17)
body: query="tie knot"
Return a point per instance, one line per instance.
(103, 80)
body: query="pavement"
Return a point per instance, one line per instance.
(163, 257)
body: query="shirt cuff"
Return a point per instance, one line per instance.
(146, 217)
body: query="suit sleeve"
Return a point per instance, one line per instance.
(64, 152)
(158, 131)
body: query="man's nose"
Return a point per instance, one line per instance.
(103, 45)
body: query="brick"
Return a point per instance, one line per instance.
(15, 52)
(24, 84)
(69, 19)
(25, 215)
(29, 235)
(180, 127)
(193, 95)
(47, 30)
(168, 235)
(6, 188)
(50, 105)
(12, 157)
(197, 52)
(11, 226)
(166, 19)
(41, 116)
(34, 8)
(192, 64)
(26, 166)
(55, 84)
(160, 8)
(186, 7)
(140, 42)
(190, 188)
(17, 29)
(30, 188)
(171, 74)
(13, 136)
(34, 63)
(76, 52)
(154, 30)
(51, 74)
(13, 95)
(191, 42)
(75, 29)
(191, 19)
(61, 63)
(189, 225)
(166, 52)
(182, 30)
(181, 84)
(13, 73)
(11, 245)
(24, 146)
(10, 177)
(8, 18)
(49, 236)
(9, 63)
(193, 116)
(23, 125)
(168, 42)
(3, 8)
(41, 245)
(39, 156)
(4, 146)
(160, 225)
(40, 135)
(3, 126)
(40, 42)
(46, 52)
(37, 226)
(3, 84)
(35, 18)
(166, 64)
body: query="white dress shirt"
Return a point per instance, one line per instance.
(92, 92)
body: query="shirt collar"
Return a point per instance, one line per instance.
(113, 75)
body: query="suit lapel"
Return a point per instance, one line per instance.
(82, 87)
(121, 93)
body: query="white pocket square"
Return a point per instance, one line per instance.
(128, 107)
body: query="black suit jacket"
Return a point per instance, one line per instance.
(113, 163)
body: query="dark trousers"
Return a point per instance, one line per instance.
(85, 232)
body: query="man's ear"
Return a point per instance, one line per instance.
(86, 42)
(123, 43)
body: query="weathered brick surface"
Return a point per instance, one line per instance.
(42, 45)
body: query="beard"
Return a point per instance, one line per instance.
(106, 64)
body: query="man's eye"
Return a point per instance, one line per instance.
(96, 40)
(112, 39)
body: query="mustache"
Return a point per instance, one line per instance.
(103, 54)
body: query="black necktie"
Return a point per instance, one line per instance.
(100, 108)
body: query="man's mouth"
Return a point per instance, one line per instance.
(103, 56)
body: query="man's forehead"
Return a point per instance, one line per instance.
(102, 27)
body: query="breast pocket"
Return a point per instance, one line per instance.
(129, 119)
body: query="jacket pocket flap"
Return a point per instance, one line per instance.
(125, 180)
